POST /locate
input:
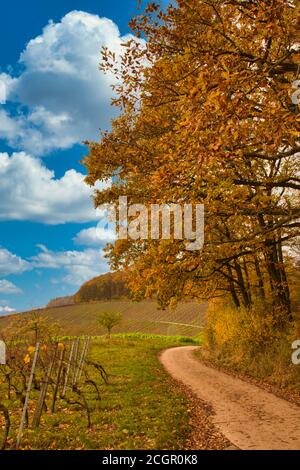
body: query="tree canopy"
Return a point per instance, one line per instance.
(206, 116)
(108, 286)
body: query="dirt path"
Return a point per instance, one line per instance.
(248, 416)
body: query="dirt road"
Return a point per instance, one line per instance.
(248, 416)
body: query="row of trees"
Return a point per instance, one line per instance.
(206, 116)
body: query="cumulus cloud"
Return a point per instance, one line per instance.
(8, 287)
(2, 92)
(79, 266)
(11, 263)
(67, 97)
(6, 84)
(29, 191)
(95, 236)
(76, 266)
(8, 127)
(6, 310)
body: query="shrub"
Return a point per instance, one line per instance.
(248, 340)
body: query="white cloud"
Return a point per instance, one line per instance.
(6, 84)
(29, 191)
(2, 92)
(8, 127)
(12, 264)
(7, 287)
(76, 266)
(68, 98)
(7, 309)
(79, 266)
(95, 236)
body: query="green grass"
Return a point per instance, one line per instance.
(141, 407)
(187, 319)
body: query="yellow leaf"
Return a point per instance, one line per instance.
(26, 359)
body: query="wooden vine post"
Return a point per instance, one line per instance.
(75, 361)
(82, 358)
(63, 394)
(36, 352)
(39, 408)
(58, 378)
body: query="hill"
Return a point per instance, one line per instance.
(143, 317)
(61, 301)
(105, 287)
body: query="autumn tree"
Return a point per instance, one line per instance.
(206, 116)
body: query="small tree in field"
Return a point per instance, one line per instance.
(109, 319)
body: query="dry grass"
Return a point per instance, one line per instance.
(186, 319)
(247, 342)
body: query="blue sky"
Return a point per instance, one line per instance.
(52, 97)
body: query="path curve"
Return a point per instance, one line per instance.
(248, 416)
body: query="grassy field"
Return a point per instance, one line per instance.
(143, 317)
(141, 407)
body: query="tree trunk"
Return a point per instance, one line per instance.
(260, 280)
(232, 289)
(243, 289)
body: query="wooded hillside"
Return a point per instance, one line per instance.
(108, 286)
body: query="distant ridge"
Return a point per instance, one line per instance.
(109, 286)
(61, 301)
